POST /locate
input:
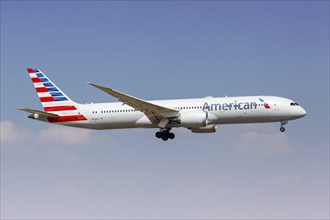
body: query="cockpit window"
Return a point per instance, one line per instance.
(296, 103)
(292, 104)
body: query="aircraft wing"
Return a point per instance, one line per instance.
(46, 114)
(155, 113)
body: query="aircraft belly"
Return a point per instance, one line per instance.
(256, 116)
(134, 120)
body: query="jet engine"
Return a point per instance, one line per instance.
(193, 119)
(206, 129)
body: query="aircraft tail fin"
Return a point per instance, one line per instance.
(50, 96)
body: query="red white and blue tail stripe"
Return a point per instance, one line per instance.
(53, 99)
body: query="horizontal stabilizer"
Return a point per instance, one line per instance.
(46, 114)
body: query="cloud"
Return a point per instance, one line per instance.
(66, 135)
(259, 143)
(10, 133)
(64, 155)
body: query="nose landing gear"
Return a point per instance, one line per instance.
(165, 134)
(282, 129)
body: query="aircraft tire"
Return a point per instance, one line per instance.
(159, 134)
(171, 135)
(282, 129)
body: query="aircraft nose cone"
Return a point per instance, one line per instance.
(302, 112)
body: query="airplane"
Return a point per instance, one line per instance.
(200, 115)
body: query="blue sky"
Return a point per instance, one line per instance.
(161, 50)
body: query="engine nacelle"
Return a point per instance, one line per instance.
(206, 129)
(193, 119)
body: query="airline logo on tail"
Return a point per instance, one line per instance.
(53, 99)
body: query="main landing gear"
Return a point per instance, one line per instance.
(282, 129)
(165, 134)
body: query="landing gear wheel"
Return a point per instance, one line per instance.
(282, 129)
(159, 134)
(171, 135)
(164, 134)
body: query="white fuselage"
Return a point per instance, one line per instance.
(225, 110)
(201, 115)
